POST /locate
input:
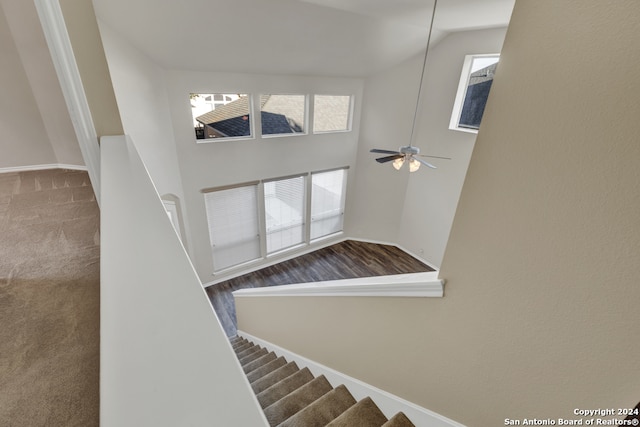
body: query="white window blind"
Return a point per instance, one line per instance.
(327, 202)
(232, 215)
(284, 202)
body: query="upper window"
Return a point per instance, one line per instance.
(283, 114)
(221, 115)
(473, 91)
(331, 113)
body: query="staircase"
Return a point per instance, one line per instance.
(293, 397)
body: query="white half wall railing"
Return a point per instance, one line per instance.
(164, 358)
(399, 285)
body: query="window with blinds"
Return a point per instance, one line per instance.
(232, 215)
(284, 203)
(327, 202)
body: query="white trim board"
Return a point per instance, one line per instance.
(42, 167)
(388, 403)
(64, 62)
(397, 285)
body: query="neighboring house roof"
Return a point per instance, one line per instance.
(232, 119)
(483, 74)
(279, 114)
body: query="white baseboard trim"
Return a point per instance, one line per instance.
(42, 167)
(378, 242)
(388, 403)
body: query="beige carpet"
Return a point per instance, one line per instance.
(49, 300)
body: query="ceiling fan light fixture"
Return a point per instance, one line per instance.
(414, 165)
(397, 163)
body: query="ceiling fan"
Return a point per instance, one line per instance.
(409, 154)
(404, 154)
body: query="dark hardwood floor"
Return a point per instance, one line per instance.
(344, 260)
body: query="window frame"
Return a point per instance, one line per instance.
(350, 112)
(304, 216)
(251, 117)
(343, 203)
(305, 115)
(261, 216)
(259, 226)
(461, 93)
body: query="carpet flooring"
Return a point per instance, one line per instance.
(49, 300)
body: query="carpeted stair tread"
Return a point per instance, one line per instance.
(284, 387)
(235, 341)
(253, 356)
(322, 411)
(365, 413)
(263, 370)
(297, 400)
(251, 366)
(246, 349)
(291, 397)
(242, 347)
(399, 420)
(273, 377)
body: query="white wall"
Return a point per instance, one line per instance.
(432, 195)
(24, 24)
(424, 201)
(211, 164)
(24, 140)
(142, 100)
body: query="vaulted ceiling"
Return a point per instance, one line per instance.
(298, 37)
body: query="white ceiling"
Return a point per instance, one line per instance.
(300, 37)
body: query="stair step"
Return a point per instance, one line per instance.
(259, 362)
(322, 411)
(246, 351)
(399, 420)
(243, 346)
(248, 358)
(236, 340)
(274, 377)
(365, 413)
(297, 400)
(284, 387)
(263, 370)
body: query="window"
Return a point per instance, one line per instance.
(232, 214)
(284, 203)
(283, 114)
(327, 202)
(473, 91)
(221, 115)
(241, 231)
(331, 113)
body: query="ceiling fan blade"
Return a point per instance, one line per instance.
(433, 157)
(389, 158)
(377, 150)
(426, 163)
